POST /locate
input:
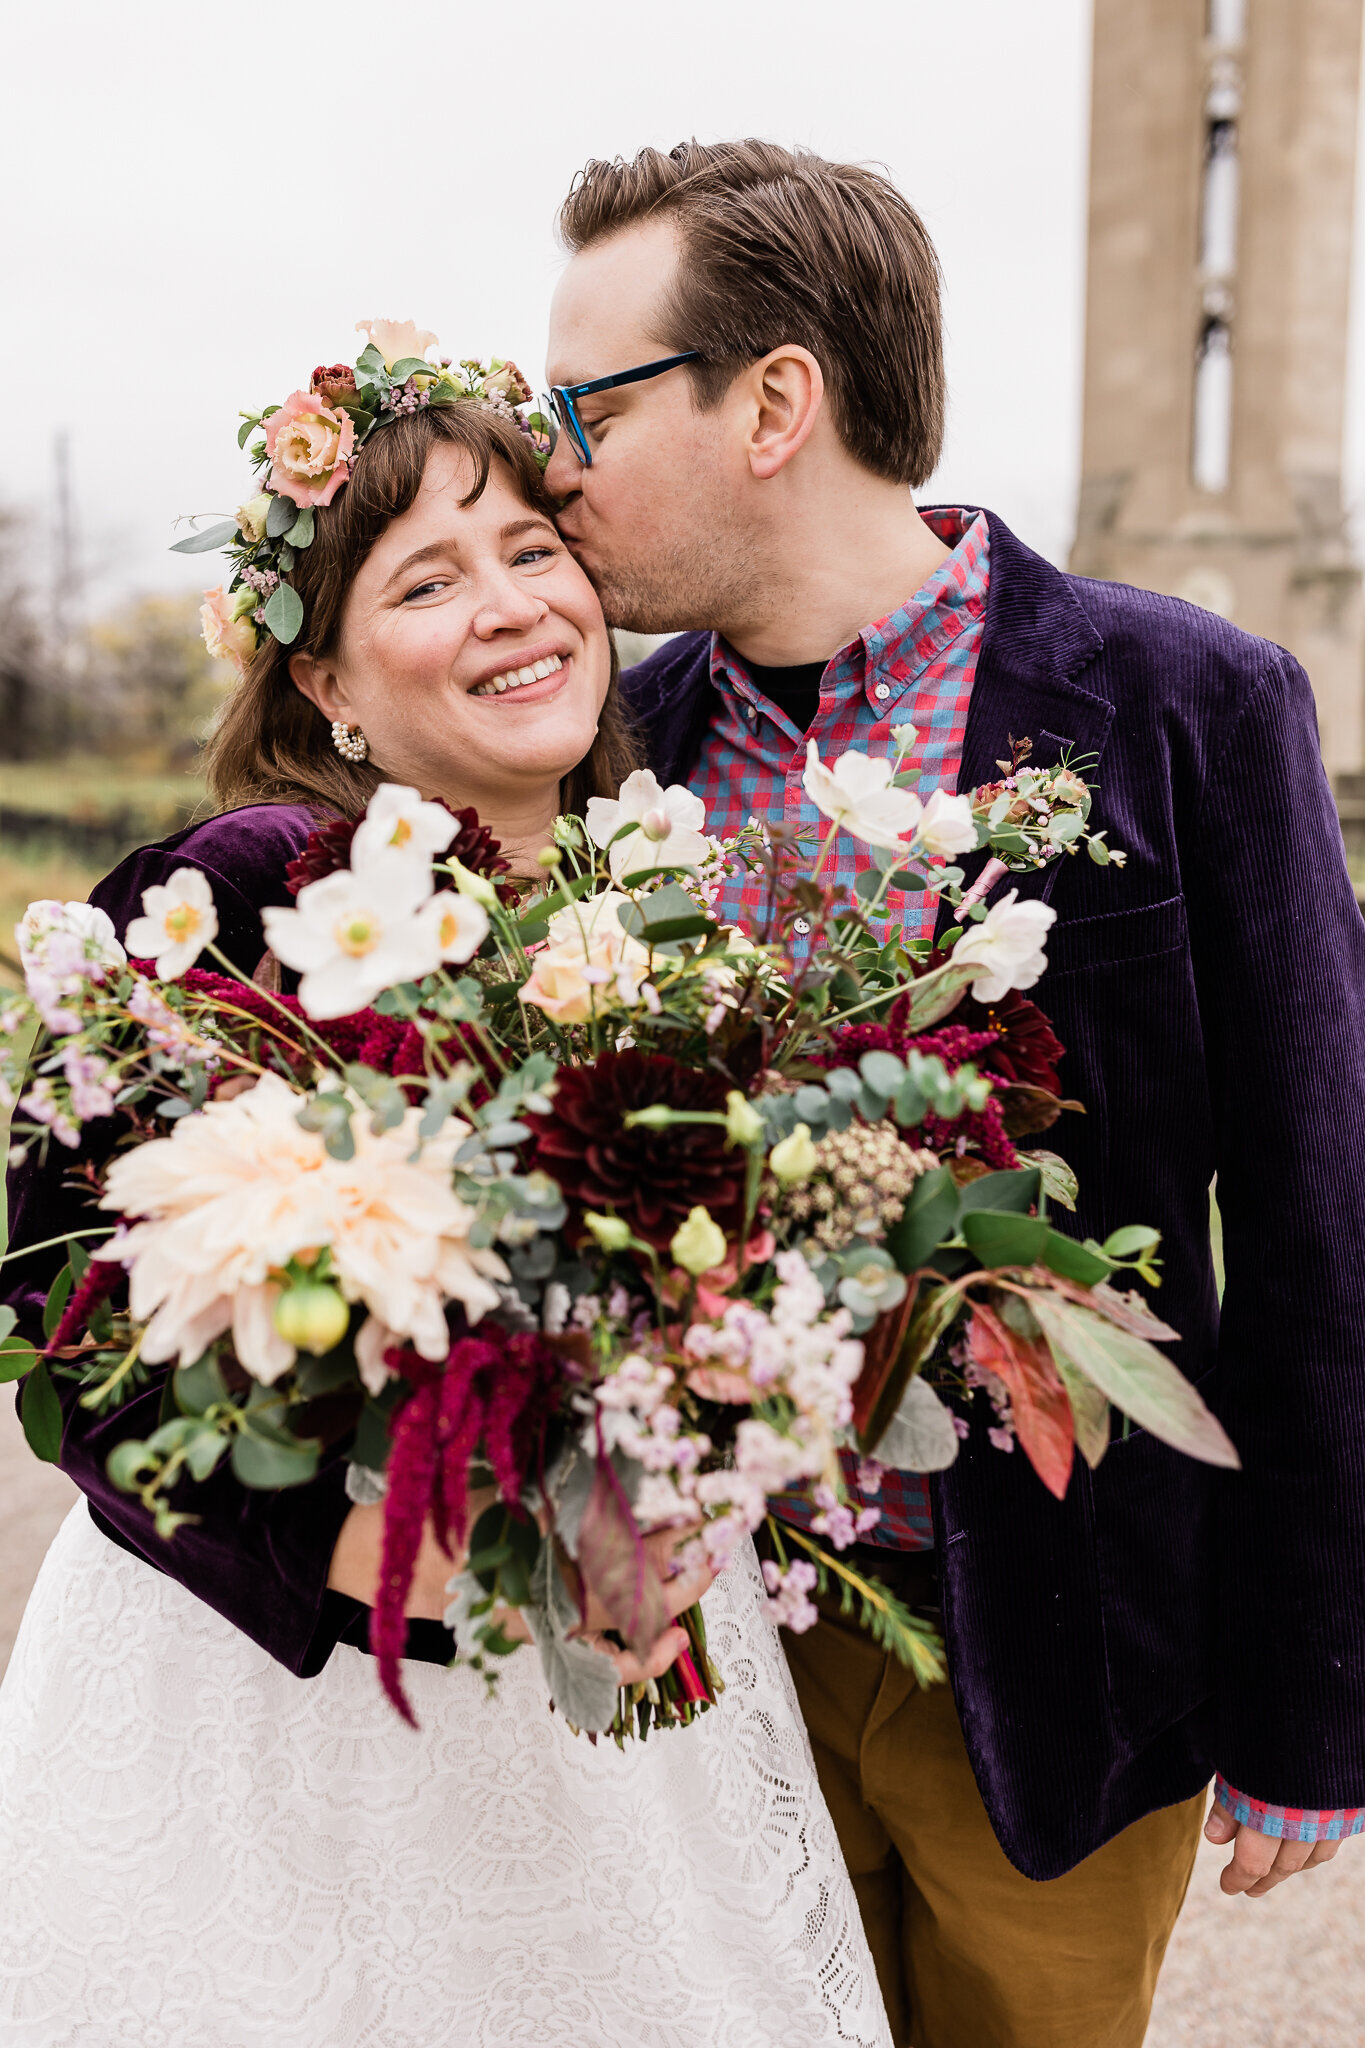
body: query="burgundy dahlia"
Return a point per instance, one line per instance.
(652, 1179)
(328, 848)
(1024, 1045)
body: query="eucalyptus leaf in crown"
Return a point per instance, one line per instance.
(305, 453)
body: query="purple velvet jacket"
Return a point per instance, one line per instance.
(1108, 1649)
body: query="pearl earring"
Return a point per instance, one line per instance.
(349, 741)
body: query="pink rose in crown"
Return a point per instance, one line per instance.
(309, 445)
(227, 637)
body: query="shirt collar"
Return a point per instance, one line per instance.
(894, 651)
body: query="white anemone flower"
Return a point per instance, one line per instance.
(238, 1189)
(70, 941)
(1006, 947)
(459, 923)
(856, 794)
(398, 819)
(178, 920)
(668, 825)
(353, 935)
(946, 827)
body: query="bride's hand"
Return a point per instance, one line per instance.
(359, 1548)
(683, 1587)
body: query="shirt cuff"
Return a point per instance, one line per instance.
(1290, 1823)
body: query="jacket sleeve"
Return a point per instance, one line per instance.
(1279, 949)
(259, 1559)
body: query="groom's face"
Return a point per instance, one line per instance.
(657, 519)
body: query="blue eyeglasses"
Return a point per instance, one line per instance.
(563, 397)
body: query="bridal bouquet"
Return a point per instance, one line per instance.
(568, 1212)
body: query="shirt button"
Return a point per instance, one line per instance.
(882, 692)
(750, 711)
(801, 926)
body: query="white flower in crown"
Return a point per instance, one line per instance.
(71, 941)
(668, 825)
(946, 827)
(396, 339)
(398, 820)
(857, 794)
(1006, 947)
(352, 935)
(178, 920)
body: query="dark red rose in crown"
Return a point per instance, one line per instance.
(652, 1179)
(333, 382)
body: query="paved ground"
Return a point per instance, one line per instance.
(1284, 1972)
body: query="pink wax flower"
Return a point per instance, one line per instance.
(309, 445)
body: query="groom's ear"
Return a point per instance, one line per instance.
(786, 390)
(317, 681)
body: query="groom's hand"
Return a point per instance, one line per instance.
(1259, 1862)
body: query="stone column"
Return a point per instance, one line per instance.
(1222, 183)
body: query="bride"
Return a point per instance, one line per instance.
(215, 1831)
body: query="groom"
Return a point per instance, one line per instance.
(1021, 1848)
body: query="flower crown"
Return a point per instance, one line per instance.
(309, 444)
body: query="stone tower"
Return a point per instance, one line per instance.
(1222, 173)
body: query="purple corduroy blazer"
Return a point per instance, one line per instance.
(1107, 1650)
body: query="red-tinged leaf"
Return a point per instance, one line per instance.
(615, 1564)
(1042, 1413)
(1141, 1381)
(1127, 1311)
(881, 1346)
(934, 1312)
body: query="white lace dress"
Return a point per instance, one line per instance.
(198, 1850)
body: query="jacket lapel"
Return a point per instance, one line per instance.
(1036, 643)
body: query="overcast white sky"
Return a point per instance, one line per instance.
(212, 195)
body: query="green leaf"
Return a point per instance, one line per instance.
(1014, 1189)
(920, 1437)
(1133, 1237)
(199, 1386)
(410, 366)
(80, 1261)
(284, 613)
(16, 1358)
(532, 925)
(1075, 1261)
(300, 534)
(8, 1319)
(929, 1220)
(1136, 1377)
(935, 994)
(882, 1072)
(56, 1301)
(999, 1238)
(280, 516)
(204, 1451)
(1059, 1182)
(250, 421)
(1089, 1409)
(128, 1464)
(41, 1412)
(371, 358)
(211, 537)
(266, 1457)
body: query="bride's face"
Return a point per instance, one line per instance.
(450, 613)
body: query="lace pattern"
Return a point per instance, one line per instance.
(201, 1851)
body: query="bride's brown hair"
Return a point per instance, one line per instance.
(270, 745)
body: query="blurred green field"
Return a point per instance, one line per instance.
(89, 787)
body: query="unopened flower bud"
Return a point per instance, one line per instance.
(656, 824)
(743, 1124)
(244, 602)
(312, 1318)
(549, 857)
(699, 1244)
(478, 887)
(611, 1232)
(794, 1159)
(905, 737)
(251, 517)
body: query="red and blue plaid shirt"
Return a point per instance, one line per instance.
(915, 666)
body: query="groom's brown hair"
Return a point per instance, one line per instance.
(780, 245)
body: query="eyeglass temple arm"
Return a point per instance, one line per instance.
(629, 376)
